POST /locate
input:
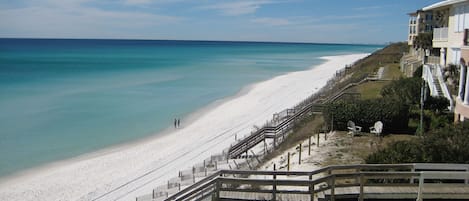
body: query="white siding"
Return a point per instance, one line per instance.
(461, 18)
(466, 16)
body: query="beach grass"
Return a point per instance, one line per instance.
(393, 72)
(370, 90)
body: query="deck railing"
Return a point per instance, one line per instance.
(327, 181)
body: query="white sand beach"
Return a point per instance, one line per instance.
(159, 158)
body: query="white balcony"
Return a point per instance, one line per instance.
(440, 34)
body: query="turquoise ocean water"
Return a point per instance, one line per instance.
(62, 98)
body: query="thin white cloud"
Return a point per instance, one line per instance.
(146, 2)
(137, 2)
(74, 20)
(350, 17)
(238, 7)
(271, 21)
(368, 8)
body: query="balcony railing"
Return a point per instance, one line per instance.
(440, 34)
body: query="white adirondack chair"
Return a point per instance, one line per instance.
(377, 128)
(353, 129)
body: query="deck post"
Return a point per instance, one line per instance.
(274, 188)
(309, 146)
(193, 174)
(318, 141)
(249, 165)
(311, 187)
(421, 182)
(467, 180)
(299, 155)
(362, 184)
(275, 141)
(288, 162)
(217, 195)
(412, 178)
(333, 188)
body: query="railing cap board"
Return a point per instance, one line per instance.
(264, 172)
(277, 182)
(440, 166)
(444, 175)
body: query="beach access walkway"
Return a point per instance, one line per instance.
(278, 128)
(417, 181)
(283, 122)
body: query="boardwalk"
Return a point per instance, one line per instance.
(274, 131)
(431, 191)
(359, 182)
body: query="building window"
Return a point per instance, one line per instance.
(456, 56)
(428, 17)
(461, 18)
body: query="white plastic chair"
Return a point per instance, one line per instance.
(353, 129)
(377, 128)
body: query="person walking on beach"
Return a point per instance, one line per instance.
(175, 123)
(179, 122)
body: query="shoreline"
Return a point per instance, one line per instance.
(138, 151)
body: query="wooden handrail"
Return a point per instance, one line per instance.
(236, 150)
(333, 180)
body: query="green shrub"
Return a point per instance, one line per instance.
(436, 104)
(398, 152)
(445, 145)
(365, 113)
(448, 145)
(418, 72)
(404, 90)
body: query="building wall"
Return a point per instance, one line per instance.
(456, 33)
(459, 17)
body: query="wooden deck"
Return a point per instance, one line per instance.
(437, 191)
(356, 182)
(430, 191)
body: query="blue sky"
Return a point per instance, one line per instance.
(324, 21)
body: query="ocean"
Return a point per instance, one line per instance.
(60, 98)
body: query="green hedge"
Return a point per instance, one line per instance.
(395, 116)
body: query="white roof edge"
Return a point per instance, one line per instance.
(442, 4)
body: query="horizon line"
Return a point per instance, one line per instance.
(195, 40)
